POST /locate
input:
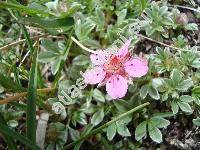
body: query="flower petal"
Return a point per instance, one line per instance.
(94, 76)
(124, 49)
(116, 86)
(136, 67)
(99, 58)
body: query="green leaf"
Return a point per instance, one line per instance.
(51, 23)
(160, 122)
(153, 92)
(122, 105)
(196, 91)
(176, 76)
(111, 131)
(20, 7)
(7, 131)
(143, 91)
(97, 117)
(185, 85)
(175, 107)
(191, 26)
(196, 121)
(75, 135)
(140, 131)
(55, 65)
(80, 60)
(121, 15)
(100, 18)
(185, 107)
(50, 45)
(196, 100)
(123, 130)
(186, 98)
(47, 56)
(155, 134)
(98, 95)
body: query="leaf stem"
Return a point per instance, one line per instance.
(95, 131)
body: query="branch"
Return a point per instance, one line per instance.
(166, 45)
(23, 94)
(5, 47)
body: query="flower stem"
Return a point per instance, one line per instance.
(82, 46)
(95, 131)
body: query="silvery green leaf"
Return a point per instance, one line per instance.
(80, 60)
(185, 85)
(97, 117)
(140, 131)
(185, 107)
(160, 122)
(111, 131)
(12, 123)
(98, 95)
(175, 107)
(121, 15)
(196, 121)
(176, 76)
(143, 91)
(123, 130)
(165, 96)
(75, 135)
(191, 26)
(55, 65)
(153, 92)
(186, 98)
(154, 133)
(196, 100)
(157, 82)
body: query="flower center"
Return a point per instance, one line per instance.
(114, 65)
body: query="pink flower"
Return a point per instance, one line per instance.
(115, 70)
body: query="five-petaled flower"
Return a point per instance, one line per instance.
(115, 70)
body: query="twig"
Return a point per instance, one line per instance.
(185, 7)
(81, 45)
(23, 94)
(5, 47)
(166, 45)
(95, 131)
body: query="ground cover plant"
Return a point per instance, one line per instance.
(94, 74)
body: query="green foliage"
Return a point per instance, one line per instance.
(151, 126)
(165, 33)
